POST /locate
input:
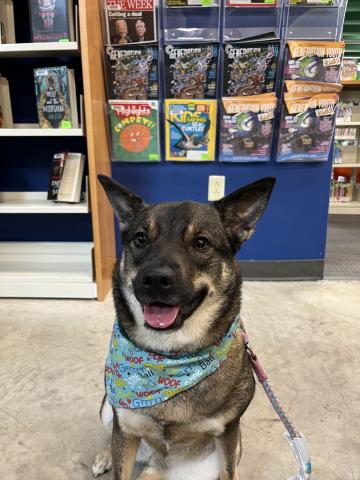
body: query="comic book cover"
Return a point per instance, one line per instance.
(190, 130)
(49, 20)
(192, 70)
(130, 21)
(246, 130)
(134, 130)
(251, 3)
(53, 97)
(132, 73)
(250, 68)
(314, 61)
(307, 128)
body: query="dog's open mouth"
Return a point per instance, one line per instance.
(159, 315)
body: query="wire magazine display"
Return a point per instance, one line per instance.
(222, 80)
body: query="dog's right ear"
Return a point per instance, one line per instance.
(124, 202)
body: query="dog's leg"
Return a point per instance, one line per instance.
(124, 447)
(102, 462)
(229, 447)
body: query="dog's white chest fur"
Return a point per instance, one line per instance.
(175, 465)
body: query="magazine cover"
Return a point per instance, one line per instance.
(130, 21)
(250, 68)
(307, 128)
(251, 3)
(134, 131)
(49, 20)
(246, 130)
(190, 130)
(132, 73)
(191, 70)
(52, 97)
(349, 69)
(315, 61)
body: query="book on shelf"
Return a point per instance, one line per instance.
(134, 130)
(132, 73)
(6, 117)
(71, 179)
(52, 20)
(56, 171)
(192, 70)
(190, 130)
(7, 23)
(130, 21)
(55, 91)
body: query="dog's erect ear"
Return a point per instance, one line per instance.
(124, 202)
(240, 211)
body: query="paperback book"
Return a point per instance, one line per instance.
(134, 131)
(132, 73)
(247, 126)
(192, 71)
(51, 20)
(56, 97)
(7, 23)
(314, 61)
(130, 21)
(6, 116)
(190, 130)
(71, 180)
(307, 128)
(56, 171)
(250, 68)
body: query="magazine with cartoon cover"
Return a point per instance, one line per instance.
(190, 130)
(307, 128)
(246, 130)
(130, 21)
(250, 68)
(314, 61)
(191, 70)
(132, 73)
(134, 130)
(53, 97)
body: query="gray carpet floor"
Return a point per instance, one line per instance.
(343, 248)
(307, 335)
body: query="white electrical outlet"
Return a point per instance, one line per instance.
(216, 188)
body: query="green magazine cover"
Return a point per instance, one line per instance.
(134, 131)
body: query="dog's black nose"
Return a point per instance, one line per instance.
(157, 279)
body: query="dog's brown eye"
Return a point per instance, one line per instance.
(140, 239)
(201, 243)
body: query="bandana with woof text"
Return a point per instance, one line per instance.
(135, 378)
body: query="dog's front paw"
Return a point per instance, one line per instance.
(103, 462)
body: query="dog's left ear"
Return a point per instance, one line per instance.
(124, 202)
(240, 211)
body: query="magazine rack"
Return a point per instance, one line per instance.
(241, 22)
(314, 22)
(191, 24)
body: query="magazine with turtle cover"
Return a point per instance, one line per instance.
(307, 127)
(314, 61)
(134, 130)
(247, 126)
(250, 68)
(190, 130)
(191, 70)
(132, 73)
(130, 21)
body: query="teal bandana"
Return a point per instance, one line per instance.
(135, 378)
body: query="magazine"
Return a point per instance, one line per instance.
(247, 126)
(132, 73)
(130, 21)
(134, 131)
(191, 71)
(250, 68)
(190, 130)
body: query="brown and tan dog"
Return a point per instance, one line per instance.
(182, 256)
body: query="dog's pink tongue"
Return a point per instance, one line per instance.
(160, 316)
